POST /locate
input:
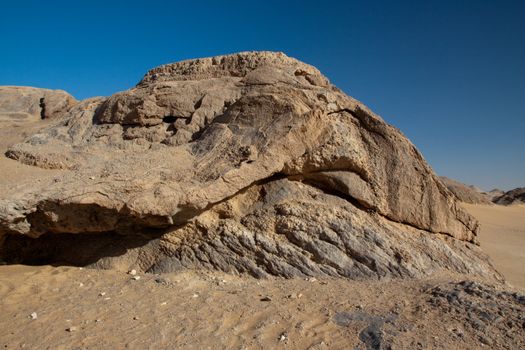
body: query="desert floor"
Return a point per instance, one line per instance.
(502, 237)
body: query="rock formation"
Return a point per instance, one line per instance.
(20, 103)
(465, 193)
(247, 163)
(515, 196)
(493, 194)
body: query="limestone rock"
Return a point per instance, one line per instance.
(465, 193)
(251, 162)
(20, 103)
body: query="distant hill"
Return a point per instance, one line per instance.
(466, 193)
(495, 193)
(515, 196)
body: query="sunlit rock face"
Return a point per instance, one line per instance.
(247, 163)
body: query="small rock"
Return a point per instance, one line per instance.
(98, 320)
(136, 318)
(485, 340)
(33, 316)
(101, 294)
(132, 272)
(195, 295)
(161, 280)
(135, 278)
(266, 298)
(71, 329)
(282, 337)
(163, 303)
(81, 284)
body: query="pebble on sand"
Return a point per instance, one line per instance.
(33, 316)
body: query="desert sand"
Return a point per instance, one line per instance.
(502, 236)
(94, 309)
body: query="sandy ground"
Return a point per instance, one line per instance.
(502, 237)
(76, 308)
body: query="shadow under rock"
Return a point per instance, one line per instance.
(66, 249)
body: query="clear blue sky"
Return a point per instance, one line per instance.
(449, 74)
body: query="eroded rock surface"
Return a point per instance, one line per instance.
(251, 162)
(20, 103)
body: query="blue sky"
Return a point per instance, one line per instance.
(449, 74)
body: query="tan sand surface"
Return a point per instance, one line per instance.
(95, 309)
(502, 237)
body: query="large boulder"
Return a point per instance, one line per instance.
(466, 193)
(251, 162)
(22, 103)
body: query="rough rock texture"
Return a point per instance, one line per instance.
(20, 103)
(251, 162)
(483, 311)
(515, 196)
(465, 193)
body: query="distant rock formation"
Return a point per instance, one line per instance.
(515, 196)
(247, 163)
(465, 193)
(493, 194)
(21, 103)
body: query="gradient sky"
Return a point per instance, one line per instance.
(449, 74)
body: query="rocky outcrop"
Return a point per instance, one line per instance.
(465, 193)
(251, 162)
(515, 196)
(493, 194)
(20, 103)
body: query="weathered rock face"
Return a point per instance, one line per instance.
(20, 103)
(515, 196)
(466, 193)
(250, 162)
